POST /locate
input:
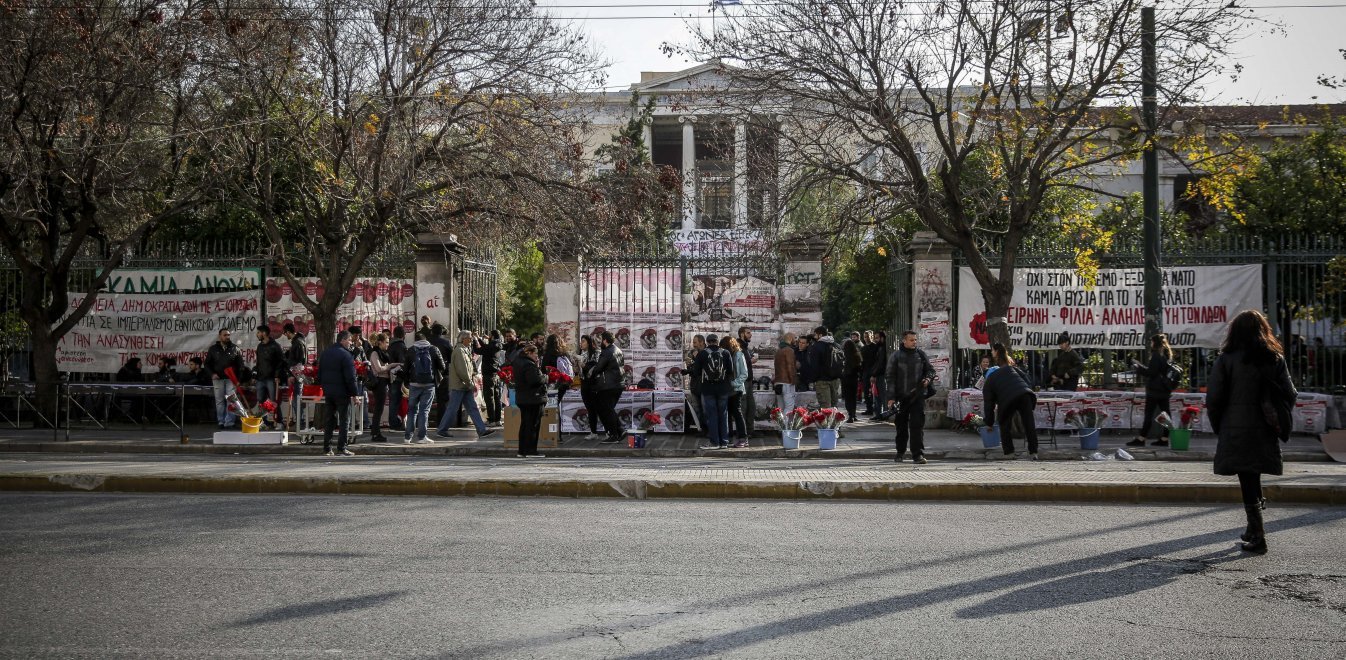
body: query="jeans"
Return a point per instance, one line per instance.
(338, 419)
(737, 428)
(910, 424)
(223, 388)
(530, 422)
(490, 392)
(418, 411)
(716, 407)
(827, 392)
(880, 393)
(786, 399)
(269, 390)
(461, 399)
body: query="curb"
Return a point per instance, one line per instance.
(1114, 493)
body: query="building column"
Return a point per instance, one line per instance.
(688, 171)
(740, 175)
(647, 134)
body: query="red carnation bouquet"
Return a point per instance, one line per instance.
(971, 422)
(649, 420)
(506, 375)
(791, 420)
(827, 418)
(557, 377)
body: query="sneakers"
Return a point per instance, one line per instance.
(425, 441)
(406, 441)
(345, 452)
(329, 453)
(592, 436)
(487, 434)
(710, 447)
(899, 458)
(536, 456)
(1033, 456)
(523, 455)
(741, 444)
(443, 434)
(1138, 442)
(611, 441)
(1161, 442)
(919, 460)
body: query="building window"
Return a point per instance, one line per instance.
(717, 202)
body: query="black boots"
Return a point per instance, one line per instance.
(1247, 534)
(1256, 535)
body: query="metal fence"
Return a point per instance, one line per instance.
(1309, 320)
(664, 283)
(478, 296)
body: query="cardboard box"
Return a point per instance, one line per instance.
(548, 435)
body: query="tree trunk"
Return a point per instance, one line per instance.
(324, 327)
(46, 373)
(997, 306)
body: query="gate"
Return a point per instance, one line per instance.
(478, 296)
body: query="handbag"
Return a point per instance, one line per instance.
(1277, 415)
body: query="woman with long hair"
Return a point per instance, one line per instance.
(380, 367)
(738, 427)
(1157, 389)
(1248, 398)
(557, 356)
(1007, 395)
(588, 358)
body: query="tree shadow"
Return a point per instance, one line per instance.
(318, 608)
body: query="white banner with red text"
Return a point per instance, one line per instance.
(1198, 302)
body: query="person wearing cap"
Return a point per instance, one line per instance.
(1066, 368)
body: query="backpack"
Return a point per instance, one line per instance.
(716, 369)
(1173, 377)
(836, 362)
(423, 366)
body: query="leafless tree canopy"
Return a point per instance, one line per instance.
(902, 99)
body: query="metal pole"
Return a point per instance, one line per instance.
(1154, 322)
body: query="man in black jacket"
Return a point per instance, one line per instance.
(269, 370)
(850, 373)
(909, 374)
(749, 402)
(439, 341)
(869, 351)
(492, 352)
(295, 356)
(609, 389)
(222, 356)
(336, 374)
(397, 355)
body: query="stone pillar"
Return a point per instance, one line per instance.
(561, 288)
(688, 171)
(647, 134)
(932, 313)
(740, 175)
(437, 258)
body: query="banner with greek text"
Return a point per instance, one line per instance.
(375, 304)
(1199, 302)
(122, 326)
(182, 280)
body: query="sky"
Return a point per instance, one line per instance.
(1281, 62)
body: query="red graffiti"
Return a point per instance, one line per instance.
(977, 328)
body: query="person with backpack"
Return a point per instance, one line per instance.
(1007, 394)
(738, 425)
(828, 362)
(1250, 399)
(1161, 378)
(909, 376)
(608, 390)
(424, 368)
(713, 367)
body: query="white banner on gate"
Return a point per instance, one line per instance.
(122, 326)
(182, 280)
(1199, 302)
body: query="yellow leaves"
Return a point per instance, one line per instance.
(372, 126)
(882, 251)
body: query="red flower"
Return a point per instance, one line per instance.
(506, 374)
(269, 406)
(653, 418)
(361, 368)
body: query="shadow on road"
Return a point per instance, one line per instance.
(319, 608)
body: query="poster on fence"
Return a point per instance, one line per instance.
(149, 326)
(1199, 302)
(802, 292)
(731, 298)
(375, 304)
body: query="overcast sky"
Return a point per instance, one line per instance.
(1280, 66)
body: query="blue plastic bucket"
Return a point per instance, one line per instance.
(990, 436)
(827, 438)
(790, 439)
(1089, 438)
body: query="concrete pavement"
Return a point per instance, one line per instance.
(718, 477)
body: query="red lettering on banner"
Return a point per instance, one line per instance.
(1123, 316)
(1077, 316)
(1032, 315)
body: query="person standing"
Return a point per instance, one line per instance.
(462, 389)
(424, 369)
(1249, 399)
(439, 341)
(909, 374)
(296, 356)
(828, 364)
(269, 370)
(880, 373)
(713, 367)
(381, 368)
(588, 358)
(336, 375)
(1007, 394)
(868, 352)
(850, 373)
(1158, 389)
(738, 426)
(1066, 368)
(556, 355)
(397, 355)
(694, 379)
(530, 394)
(609, 388)
(785, 372)
(492, 356)
(220, 357)
(748, 404)
(803, 364)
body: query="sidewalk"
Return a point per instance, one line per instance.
(726, 478)
(870, 440)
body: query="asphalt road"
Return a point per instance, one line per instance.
(93, 575)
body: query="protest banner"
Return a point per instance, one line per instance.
(182, 280)
(1199, 302)
(149, 326)
(375, 304)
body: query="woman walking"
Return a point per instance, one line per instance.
(1249, 398)
(1157, 389)
(530, 394)
(738, 427)
(1007, 395)
(380, 375)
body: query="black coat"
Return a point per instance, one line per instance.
(1234, 399)
(530, 386)
(1156, 385)
(1002, 387)
(336, 373)
(854, 358)
(297, 353)
(906, 370)
(270, 361)
(492, 356)
(609, 369)
(220, 357)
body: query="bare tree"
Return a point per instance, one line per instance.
(366, 121)
(911, 101)
(101, 142)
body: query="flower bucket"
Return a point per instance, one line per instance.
(827, 438)
(635, 439)
(790, 439)
(1179, 439)
(251, 424)
(1089, 438)
(511, 397)
(990, 436)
